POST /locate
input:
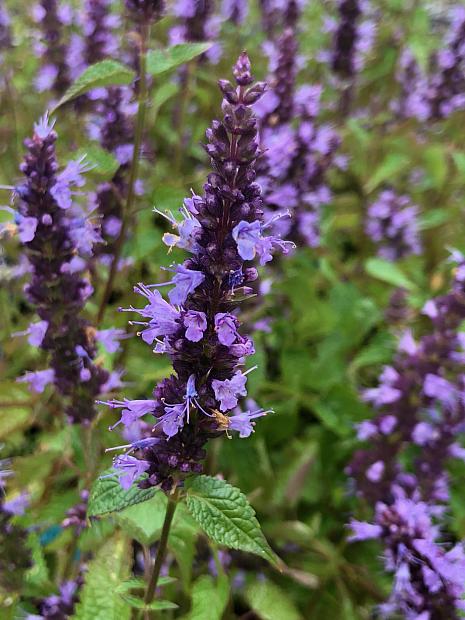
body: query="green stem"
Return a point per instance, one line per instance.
(138, 135)
(161, 551)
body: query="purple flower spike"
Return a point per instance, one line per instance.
(419, 400)
(200, 329)
(57, 236)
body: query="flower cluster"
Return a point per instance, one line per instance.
(58, 235)
(52, 18)
(447, 85)
(352, 38)
(277, 15)
(5, 28)
(94, 41)
(198, 328)
(299, 151)
(235, 11)
(392, 225)
(196, 21)
(59, 606)
(437, 93)
(113, 126)
(145, 11)
(420, 404)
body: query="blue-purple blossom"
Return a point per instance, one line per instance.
(195, 323)
(392, 225)
(129, 469)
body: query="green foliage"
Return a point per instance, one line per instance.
(270, 602)
(143, 521)
(99, 599)
(104, 73)
(107, 495)
(225, 515)
(101, 162)
(209, 598)
(388, 272)
(162, 60)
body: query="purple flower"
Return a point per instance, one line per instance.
(39, 379)
(163, 317)
(242, 422)
(195, 323)
(17, 506)
(132, 409)
(185, 281)
(226, 328)
(129, 469)
(227, 391)
(364, 531)
(35, 332)
(173, 419)
(27, 229)
(109, 338)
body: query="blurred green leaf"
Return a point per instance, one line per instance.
(104, 73)
(271, 602)
(162, 60)
(388, 272)
(144, 521)
(102, 162)
(209, 598)
(388, 169)
(99, 599)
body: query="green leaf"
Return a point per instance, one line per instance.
(144, 521)
(138, 603)
(160, 61)
(99, 599)
(392, 164)
(459, 161)
(435, 162)
(209, 598)
(388, 272)
(226, 516)
(104, 73)
(270, 602)
(164, 92)
(103, 163)
(139, 584)
(107, 495)
(433, 218)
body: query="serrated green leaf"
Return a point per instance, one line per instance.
(99, 599)
(270, 602)
(138, 603)
(392, 164)
(102, 162)
(226, 516)
(107, 495)
(160, 61)
(144, 521)
(388, 272)
(209, 598)
(104, 73)
(139, 584)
